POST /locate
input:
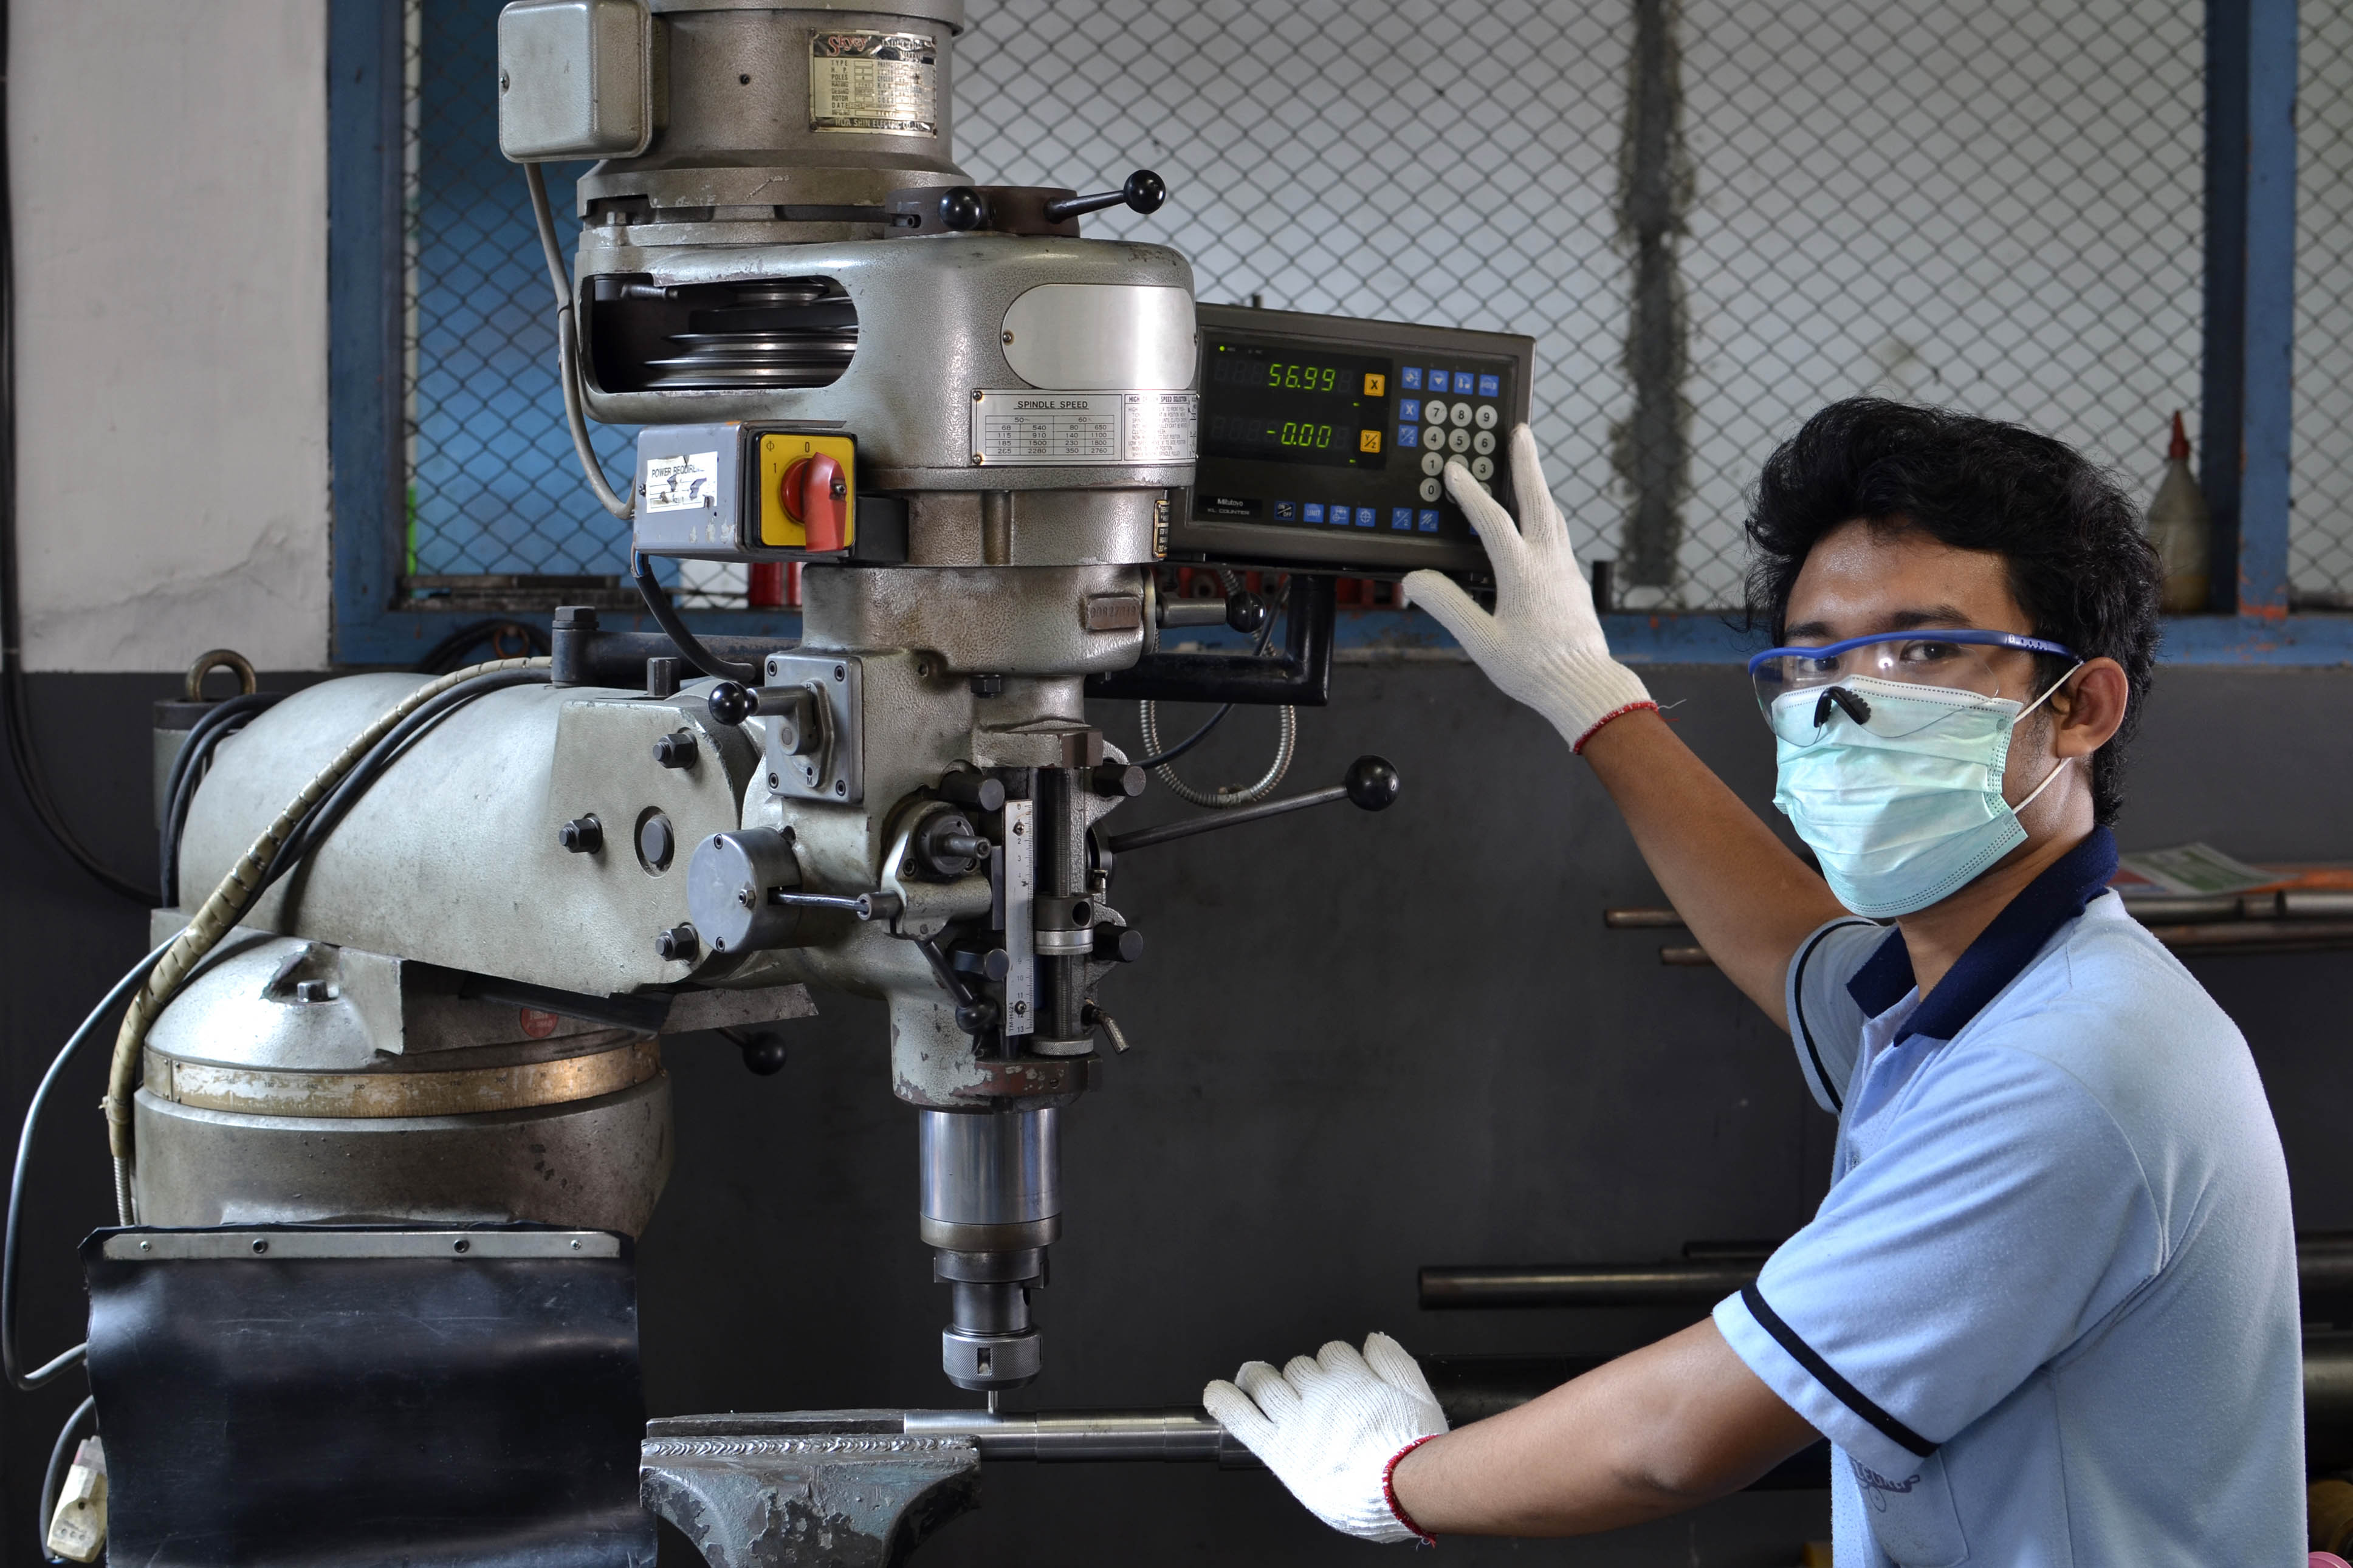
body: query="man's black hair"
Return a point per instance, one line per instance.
(2079, 564)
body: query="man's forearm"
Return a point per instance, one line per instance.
(1652, 1433)
(1748, 899)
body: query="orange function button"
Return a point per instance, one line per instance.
(1376, 385)
(1368, 440)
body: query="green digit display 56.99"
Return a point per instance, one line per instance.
(1302, 377)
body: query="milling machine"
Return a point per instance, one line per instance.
(426, 998)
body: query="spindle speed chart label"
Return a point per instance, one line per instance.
(1076, 429)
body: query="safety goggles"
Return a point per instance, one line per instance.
(1804, 692)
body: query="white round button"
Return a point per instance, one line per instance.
(1434, 411)
(1432, 463)
(1482, 469)
(1431, 490)
(1458, 440)
(1460, 414)
(1434, 438)
(1483, 441)
(1486, 416)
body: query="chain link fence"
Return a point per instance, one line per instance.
(2320, 477)
(1714, 217)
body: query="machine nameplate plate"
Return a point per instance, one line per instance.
(1078, 430)
(865, 83)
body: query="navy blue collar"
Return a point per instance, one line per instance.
(2001, 949)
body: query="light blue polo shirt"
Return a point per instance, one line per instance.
(2047, 1313)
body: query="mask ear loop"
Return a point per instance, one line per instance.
(2055, 767)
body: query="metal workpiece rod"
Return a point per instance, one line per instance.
(1586, 1284)
(1181, 1434)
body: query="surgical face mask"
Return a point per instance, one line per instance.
(1896, 787)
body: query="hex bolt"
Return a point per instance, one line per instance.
(675, 750)
(313, 991)
(582, 834)
(677, 943)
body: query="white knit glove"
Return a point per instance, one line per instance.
(1544, 643)
(1333, 1428)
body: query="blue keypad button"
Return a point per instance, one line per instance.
(1464, 381)
(1428, 520)
(1490, 386)
(1286, 512)
(1313, 512)
(1409, 408)
(1365, 518)
(1402, 518)
(1408, 435)
(1410, 378)
(1341, 516)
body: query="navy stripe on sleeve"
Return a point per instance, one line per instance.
(1798, 1005)
(1846, 1393)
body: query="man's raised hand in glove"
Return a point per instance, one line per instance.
(1544, 643)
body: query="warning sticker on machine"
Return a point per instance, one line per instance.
(1160, 427)
(874, 82)
(1072, 428)
(674, 484)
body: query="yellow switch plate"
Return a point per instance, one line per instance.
(780, 450)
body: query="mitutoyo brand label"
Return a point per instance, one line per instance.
(867, 83)
(1074, 429)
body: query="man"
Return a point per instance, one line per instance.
(2047, 1313)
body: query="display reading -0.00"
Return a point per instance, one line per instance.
(1276, 406)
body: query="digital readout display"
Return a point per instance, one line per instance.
(1281, 406)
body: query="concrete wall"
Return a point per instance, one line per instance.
(170, 164)
(1362, 1045)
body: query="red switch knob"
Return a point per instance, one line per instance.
(815, 495)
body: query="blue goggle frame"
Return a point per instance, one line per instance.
(1921, 634)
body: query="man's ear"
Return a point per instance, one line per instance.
(2088, 708)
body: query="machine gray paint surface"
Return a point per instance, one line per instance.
(1362, 1043)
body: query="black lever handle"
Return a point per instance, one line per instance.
(1372, 784)
(1143, 192)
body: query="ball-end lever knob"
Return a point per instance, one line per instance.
(1145, 192)
(962, 209)
(1245, 611)
(1372, 784)
(732, 702)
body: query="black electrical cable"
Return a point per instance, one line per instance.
(1265, 635)
(188, 769)
(15, 718)
(665, 615)
(321, 818)
(11, 1241)
(53, 1477)
(1187, 744)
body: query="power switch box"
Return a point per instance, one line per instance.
(760, 492)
